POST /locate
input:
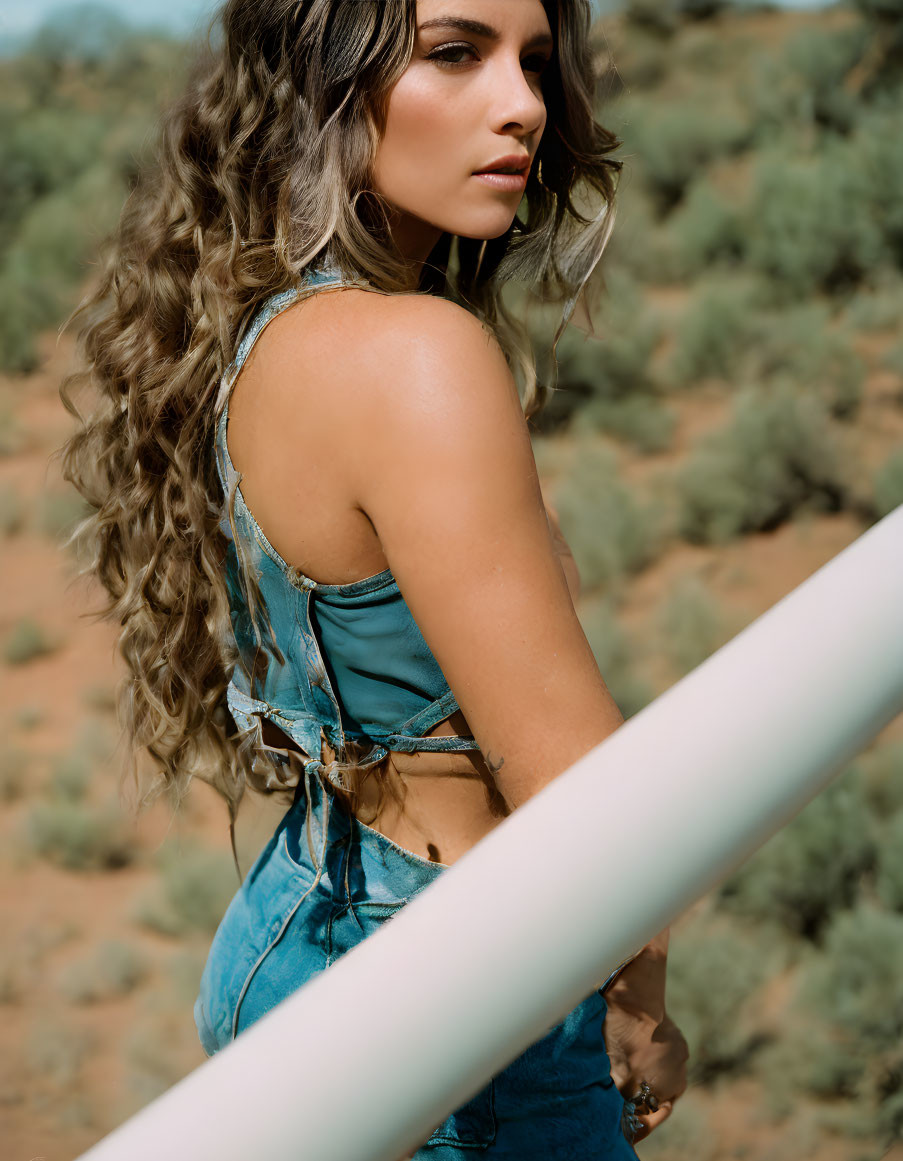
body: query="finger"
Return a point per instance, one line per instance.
(650, 1121)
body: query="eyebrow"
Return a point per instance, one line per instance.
(477, 28)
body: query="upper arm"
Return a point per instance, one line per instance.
(443, 466)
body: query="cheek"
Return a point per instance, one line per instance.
(422, 126)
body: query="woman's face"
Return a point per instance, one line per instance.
(470, 96)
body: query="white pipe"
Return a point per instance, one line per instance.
(365, 1060)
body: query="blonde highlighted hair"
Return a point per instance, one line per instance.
(262, 167)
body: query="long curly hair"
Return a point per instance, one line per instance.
(262, 167)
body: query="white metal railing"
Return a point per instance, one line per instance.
(365, 1060)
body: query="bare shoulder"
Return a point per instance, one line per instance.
(387, 336)
(396, 373)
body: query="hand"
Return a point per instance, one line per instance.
(642, 1050)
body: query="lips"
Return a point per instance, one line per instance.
(513, 164)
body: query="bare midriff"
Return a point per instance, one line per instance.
(436, 805)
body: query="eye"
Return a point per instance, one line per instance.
(537, 63)
(540, 63)
(439, 55)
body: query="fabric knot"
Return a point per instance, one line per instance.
(330, 770)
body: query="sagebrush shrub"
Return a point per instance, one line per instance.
(611, 531)
(706, 229)
(813, 867)
(114, 969)
(194, 890)
(616, 655)
(889, 879)
(672, 143)
(714, 968)
(801, 344)
(27, 640)
(690, 623)
(12, 511)
(715, 332)
(856, 985)
(778, 454)
(888, 483)
(808, 224)
(80, 836)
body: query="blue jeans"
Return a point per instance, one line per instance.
(555, 1100)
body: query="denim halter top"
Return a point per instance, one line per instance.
(331, 661)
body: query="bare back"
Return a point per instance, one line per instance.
(315, 450)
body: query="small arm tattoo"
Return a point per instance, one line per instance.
(493, 766)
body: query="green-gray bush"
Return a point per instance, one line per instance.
(41, 269)
(56, 1051)
(100, 697)
(714, 967)
(701, 9)
(874, 156)
(889, 878)
(807, 1058)
(41, 152)
(638, 420)
(800, 344)
(30, 716)
(616, 655)
(614, 366)
(26, 641)
(195, 889)
(659, 16)
(673, 143)
(13, 773)
(690, 623)
(716, 330)
(12, 511)
(817, 61)
(778, 454)
(808, 224)
(802, 86)
(879, 306)
(882, 775)
(857, 985)
(705, 230)
(610, 531)
(12, 438)
(893, 359)
(59, 512)
(813, 867)
(154, 1052)
(115, 969)
(642, 246)
(617, 364)
(70, 776)
(881, 9)
(888, 483)
(79, 836)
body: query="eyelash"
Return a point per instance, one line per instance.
(436, 56)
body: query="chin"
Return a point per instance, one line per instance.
(483, 230)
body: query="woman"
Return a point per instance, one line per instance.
(306, 371)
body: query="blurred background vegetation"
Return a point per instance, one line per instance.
(735, 421)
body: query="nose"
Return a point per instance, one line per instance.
(517, 102)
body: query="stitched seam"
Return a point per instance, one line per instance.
(268, 948)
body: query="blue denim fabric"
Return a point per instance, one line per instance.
(341, 660)
(557, 1100)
